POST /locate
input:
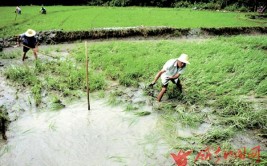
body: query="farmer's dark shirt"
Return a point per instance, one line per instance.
(28, 41)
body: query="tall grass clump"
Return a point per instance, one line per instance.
(22, 75)
(9, 55)
(56, 76)
(218, 134)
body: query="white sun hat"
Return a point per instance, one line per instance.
(184, 58)
(30, 33)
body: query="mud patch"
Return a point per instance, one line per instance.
(187, 132)
(258, 103)
(248, 140)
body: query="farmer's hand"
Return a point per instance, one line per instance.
(17, 45)
(151, 84)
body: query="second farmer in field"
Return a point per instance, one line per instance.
(29, 41)
(171, 71)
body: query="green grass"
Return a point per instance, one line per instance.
(10, 55)
(71, 18)
(219, 67)
(222, 69)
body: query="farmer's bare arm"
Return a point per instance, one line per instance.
(174, 76)
(157, 76)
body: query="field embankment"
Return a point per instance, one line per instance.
(57, 37)
(84, 18)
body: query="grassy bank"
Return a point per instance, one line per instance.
(71, 18)
(224, 82)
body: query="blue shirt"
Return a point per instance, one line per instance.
(28, 41)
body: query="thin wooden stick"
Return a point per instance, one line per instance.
(16, 16)
(87, 78)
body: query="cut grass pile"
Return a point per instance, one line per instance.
(70, 18)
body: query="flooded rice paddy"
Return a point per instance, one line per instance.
(104, 135)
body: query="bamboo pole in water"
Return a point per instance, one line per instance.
(87, 77)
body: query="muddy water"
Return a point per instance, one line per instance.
(75, 136)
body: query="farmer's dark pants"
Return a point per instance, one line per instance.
(178, 84)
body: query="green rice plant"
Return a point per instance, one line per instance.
(9, 55)
(261, 89)
(229, 106)
(118, 159)
(112, 100)
(97, 81)
(56, 103)
(70, 18)
(52, 126)
(36, 90)
(130, 107)
(188, 118)
(101, 94)
(51, 83)
(247, 120)
(79, 53)
(46, 51)
(263, 158)
(218, 135)
(40, 67)
(24, 75)
(66, 92)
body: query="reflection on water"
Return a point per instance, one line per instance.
(75, 136)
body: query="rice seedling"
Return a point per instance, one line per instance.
(101, 94)
(130, 107)
(56, 104)
(36, 91)
(24, 75)
(112, 99)
(10, 55)
(52, 126)
(217, 134)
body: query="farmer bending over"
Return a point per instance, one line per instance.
(29, 41)
(18, 10)
(171, 71)
(43, 10)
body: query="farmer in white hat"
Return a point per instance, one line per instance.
(18, 10)
(29, 41)
(171, 71)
